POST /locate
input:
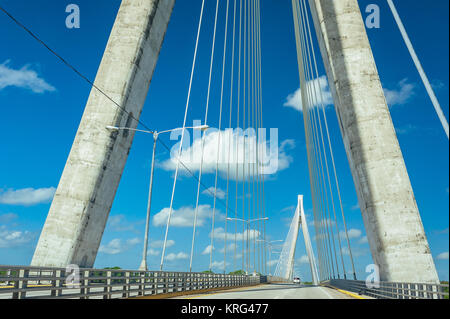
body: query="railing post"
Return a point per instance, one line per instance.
(156, 281)
(188, 281)
(56, 283)
(21, 283)
(183, 281)
(85, 290)
(435, 290)
(8, 275)
(143, 278)
(152, 281)
(126, 292)
(164, 282)
(416, 292)
(194, 282)
(108, 289)
(40, 275)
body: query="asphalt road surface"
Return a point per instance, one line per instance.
(274, 291)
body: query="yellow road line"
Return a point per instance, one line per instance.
(345, 292)
(350, 294)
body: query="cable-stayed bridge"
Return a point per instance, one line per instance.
(65, 254)
(285, 265)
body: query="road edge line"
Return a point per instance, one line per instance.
(346, 292)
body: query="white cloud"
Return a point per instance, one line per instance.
(442, 231)
(133, 241)
(288, 209)
(172, 256)
(438, 85)
(119, 223)
(405, 129)
(324, 223)
(219, 233)
(160, 243)
(210, 192)
(27, 196)
(230, 248)
(443, 256)
(303, 260)
(355, 207)
(352, 233)
(207, 250)
(234, 150)
(153, 252)
(219, 264)
(401, 95)
(23, 78)
(116, 246)
(356, 252)
(184, 216)
(363, 240)
(14, 238)
(112, 248)
(318, 88)
(398, 96)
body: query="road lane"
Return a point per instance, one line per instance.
(274, 291)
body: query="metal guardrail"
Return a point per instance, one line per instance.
(18, 282)
(392, 290)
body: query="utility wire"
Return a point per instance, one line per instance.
(73, 68)
(251, 51)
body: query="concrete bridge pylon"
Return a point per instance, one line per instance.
(80, 208)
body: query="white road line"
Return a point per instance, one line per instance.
(325, 291)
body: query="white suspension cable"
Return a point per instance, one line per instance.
(203, 137)
(245, 233)
(182, 136)
(218, 139)
(312, 81)
(238, 137)
(310, 140)
(419, 67)
(322, 104)
(229, 145)
(261, 125)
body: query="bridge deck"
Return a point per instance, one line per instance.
(274, 291)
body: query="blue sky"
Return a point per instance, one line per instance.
(42, 102)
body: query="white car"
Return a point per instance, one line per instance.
(296, 280)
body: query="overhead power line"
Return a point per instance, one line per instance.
(85, 78)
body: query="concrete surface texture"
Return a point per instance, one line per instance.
(274, 291)
(80, 208)
(390, 213)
